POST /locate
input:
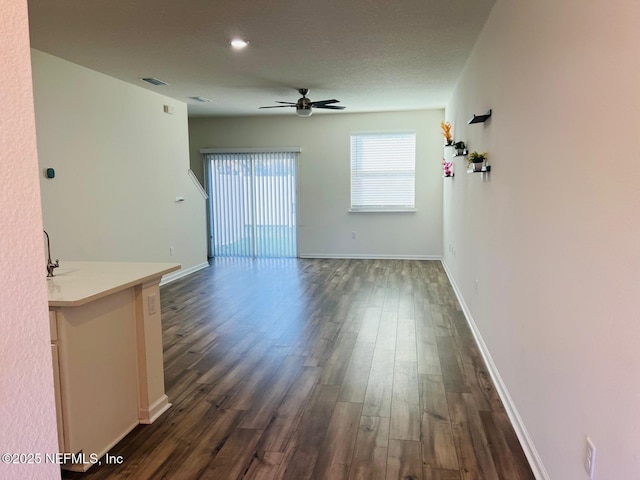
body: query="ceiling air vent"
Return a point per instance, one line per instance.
(154, 81)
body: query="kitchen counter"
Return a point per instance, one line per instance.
(106, 345)
(78, 283)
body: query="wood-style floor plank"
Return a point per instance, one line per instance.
(451, 365)
(264, 466)
(474, 371)
(354, 385)
(505, 449)
(406, 349)
(286, 369)
(205, 447)
(302, 451)
(268, 398)
(336, 452)
(288, 415)
(405, 403)
(439, 319)
(214, 370)
(437, 474)
(387, 332)
(427, 350)
(370, 324)
(438, 448)
(404, 461)
(236, 376)
(473, 450)
(244, 396)
(235, 455)
(337, 364)
(372, 447)
(377, 400)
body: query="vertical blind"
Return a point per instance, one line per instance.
(253, 204)
(383, 171)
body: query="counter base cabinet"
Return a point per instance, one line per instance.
(109, 371)
(153, 401)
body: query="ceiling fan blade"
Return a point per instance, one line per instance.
(324, 102)
(304, 105)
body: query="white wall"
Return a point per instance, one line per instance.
(27, 407)
(553, 233)
(120, 162)
(325, 225)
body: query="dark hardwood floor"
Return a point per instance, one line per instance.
(323, 369)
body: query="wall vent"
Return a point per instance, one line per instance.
(154, 81)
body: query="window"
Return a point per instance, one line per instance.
(383, 167)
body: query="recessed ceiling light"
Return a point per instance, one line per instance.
(238, 43)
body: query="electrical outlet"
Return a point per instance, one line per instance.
(590, 458)
(151, 304)
(353, 235)
(171, 251)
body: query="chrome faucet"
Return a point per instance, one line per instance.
(50, 264)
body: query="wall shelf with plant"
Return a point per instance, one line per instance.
(447, 169)
(477, 162)
(461, 149)
(484, 169)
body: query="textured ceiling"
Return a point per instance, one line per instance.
(372, 55)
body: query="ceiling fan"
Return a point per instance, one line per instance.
(304, 105)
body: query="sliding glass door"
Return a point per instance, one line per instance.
(252, 204)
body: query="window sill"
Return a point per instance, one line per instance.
(382, 210)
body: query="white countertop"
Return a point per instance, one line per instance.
(78, 283)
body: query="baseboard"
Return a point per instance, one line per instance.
(183, 272)
(358, 256)
(83, 467)
(518, 425)
(150, 415)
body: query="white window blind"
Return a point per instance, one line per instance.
(253, 204)
(383, 168)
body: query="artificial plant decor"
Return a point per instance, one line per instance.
(447, 168)
(475, 157)
(475, 160)
(446, 132)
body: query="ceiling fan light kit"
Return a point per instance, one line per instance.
(304, 106)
